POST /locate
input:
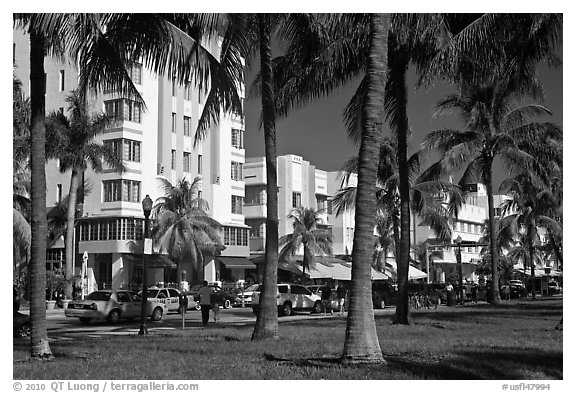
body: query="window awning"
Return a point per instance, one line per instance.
(154, 260)
(237, 262)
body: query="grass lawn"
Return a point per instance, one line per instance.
(514, 341)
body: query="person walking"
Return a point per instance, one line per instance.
(474, 291)
(327, 298)
(205, 302)
(216, 300)
(341, 294)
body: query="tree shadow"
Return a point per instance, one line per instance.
(481, 363)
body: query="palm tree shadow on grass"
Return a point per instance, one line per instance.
(484, 363)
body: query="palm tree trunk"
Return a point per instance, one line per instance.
(305, 261)
(398, 67)
(530, 236)
(70, 219)
(40, 347)
(361, 341)
(492, 229)
(267, 320)
(557, 252)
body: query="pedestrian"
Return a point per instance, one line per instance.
(216, 301)
(506, 290)
(205, 294)
(341, 294)
(327, 298)
(474, 291)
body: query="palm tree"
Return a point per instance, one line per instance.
(71, 141)
(493, 62)
(183, 227)
(494, 127)
(103, 45)
(424, 202)
(315, 241)
(529, 211)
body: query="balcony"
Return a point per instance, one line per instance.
(254, 211)
(256, 244)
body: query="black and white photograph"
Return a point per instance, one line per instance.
(205, 199)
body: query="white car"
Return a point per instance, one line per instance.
(290, 298)
(111, 305)
(247, 294)
(170, 297)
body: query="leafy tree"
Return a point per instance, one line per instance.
(183, 227)
(306, 234)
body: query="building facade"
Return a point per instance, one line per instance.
(155, 142)
(299, 184)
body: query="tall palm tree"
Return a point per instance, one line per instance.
(183, 227)
(306, 234)
(103, 45)
(72, 142)
(528, 208)
(244, 35)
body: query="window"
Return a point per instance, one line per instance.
(173, 87)
(236, 171)
(174, 122)
(235, 236)
(121, 190)
(61, 80)
(296, 199)
(237, 202)
(187, 125)
(199, 164)
(126, 149)
(136, 73)
(187, 95)
(329, 206)
(238, 138)
(123, 109)
(173, 166)
(59, 193)
(186, 162)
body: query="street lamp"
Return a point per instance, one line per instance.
(459, 266)
(147, 208)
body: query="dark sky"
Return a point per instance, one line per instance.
(317, 132)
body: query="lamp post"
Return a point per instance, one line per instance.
(459, 267)
(147, 208)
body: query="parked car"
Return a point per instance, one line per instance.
(554, 288)
(112, 305)
(317, 290)
(226, 297)
(246, 294)
(383, 294)
(169, 296)
(517, 289)
(290, 298)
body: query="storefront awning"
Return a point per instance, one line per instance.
(154, 260)
(237, 262)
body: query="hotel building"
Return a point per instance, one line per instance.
(156, 142)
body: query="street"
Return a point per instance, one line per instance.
(63, 328)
